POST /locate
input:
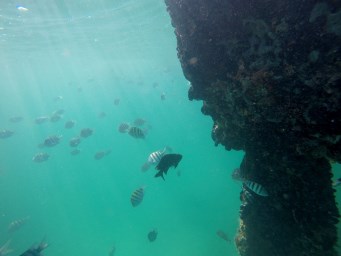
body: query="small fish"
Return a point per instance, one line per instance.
(155, 84)
(17, 224)
(123, 127)
(100, 154)
(74, 142)
(54, 118)
(4, 249)
(75, 152)
(86, 132)
(117, 101)
(40, 157)
(69, 124)
(102, 114)
(152, 235)
(156, 156)
(51, 141)
(145, 167)
(139, 122)
(35, 251)
(21, 8)
(248, 184)
(256, 188)
(136, 132)
(163, 96)
(4, 134)
(337, 182)
(223, 236)
(58, 98)
(41, 119)
(16, 119)
(58, 112)
(137, 197)
(166, 162)
(112, 250)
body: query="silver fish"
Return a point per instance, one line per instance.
(4, 134)
(100, 154)
(41, 119)
(4, 249)
(17, 224)
(256, 188)
(40, 157)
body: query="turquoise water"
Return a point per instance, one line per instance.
(91, 53)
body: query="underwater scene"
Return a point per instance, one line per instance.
(102, 152)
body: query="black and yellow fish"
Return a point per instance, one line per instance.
(166, 162)
(136, 132)
(137, 196)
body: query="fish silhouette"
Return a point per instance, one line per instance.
(166, 162)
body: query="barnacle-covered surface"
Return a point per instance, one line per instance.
(268, 73)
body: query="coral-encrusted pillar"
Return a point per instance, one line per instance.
(269, 74)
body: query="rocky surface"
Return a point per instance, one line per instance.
(268, 73)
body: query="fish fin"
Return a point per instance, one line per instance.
(159, 174)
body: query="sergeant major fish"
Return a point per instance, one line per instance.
(255, 187)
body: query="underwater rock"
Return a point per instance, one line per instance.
(268, 73)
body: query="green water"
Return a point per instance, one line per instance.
(90, 53)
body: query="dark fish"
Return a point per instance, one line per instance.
(69, 124)
(112, 250)
(75, 152)
(223, 236)
(86, 132)
(4, 134)
(117, 101)
(35, 250)
(163, 96)
(40, 157)
(139, 122)
(136, 132)
(256, 188)
(100, 154)
(4, 249)
(55, 117)
(52, 141)
(17, 224)
(16, 119)
(152, 235)
(74, 142)
(137, 197)
(41, 119)
(102, 114)
(145, 167)
(166, 162)
(123, 127)
(58, 112)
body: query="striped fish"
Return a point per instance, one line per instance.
(256, 188)
(156, 156)
(137, 197)
(136, 132)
